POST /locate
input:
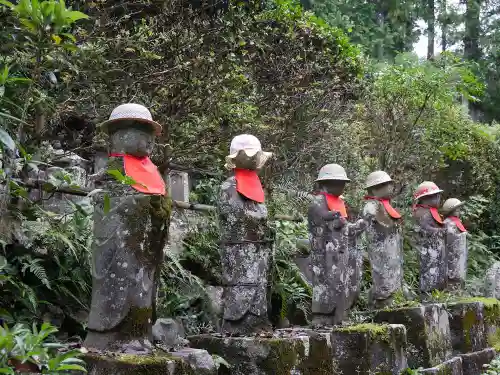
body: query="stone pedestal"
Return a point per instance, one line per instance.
(472, 363)
(428, 333)
(450, 367)
(299, 354)
(467, 326)
(182, 363)
(370, 349)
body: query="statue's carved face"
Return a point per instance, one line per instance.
(333, 187)
(382, 191)
(132, 138)
(431, 200)
(243, 161)
(455, 212)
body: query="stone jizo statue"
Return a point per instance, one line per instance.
(330, 235)
(129, 237)
(246, 240)
(456, 244)
(429, 237)
(384, 239)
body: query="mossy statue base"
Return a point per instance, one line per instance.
(370, 349)
(468, 333)
(125, 364)
(298, 354)
(428, 333)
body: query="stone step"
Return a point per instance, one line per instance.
(467, 326)
(473, 363)
(370, 349)
(186, 362)
(303, 352)
(428, 333)
(450, 367)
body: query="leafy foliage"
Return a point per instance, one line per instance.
(22, 348)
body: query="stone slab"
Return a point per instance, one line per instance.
(467, 327)
(121, 364)
(297, 353)
(428, 333)
(198, 359)
(473, 363)
(370, 349)
(450, 367)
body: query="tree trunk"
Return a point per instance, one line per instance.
(431, 28)
(472, 30)
(444, 25)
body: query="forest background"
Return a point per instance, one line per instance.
(316, 82)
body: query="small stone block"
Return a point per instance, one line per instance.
(301, 354)
(122, 364)
(467, 327)
(370, 349)
(450, 367)
(473, 363)
(428, 333)
(199, 360)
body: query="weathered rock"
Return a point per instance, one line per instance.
(215, 299)
(468, 333)
(428, 333)
(473, 363)
(456, 254)
(370, 349)
(199, 360)
(169, 332)
(450, 367)
(138, 365)
(492, 281)
(304, 354)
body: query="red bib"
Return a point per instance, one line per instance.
(434, 212)
(144, 173)
(248, 184)
(458, 223)
(335, 204)
(387, 205)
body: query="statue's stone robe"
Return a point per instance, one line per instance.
(385, 251)
(245, 250)
(492, 281)
(127, 257)
(335, 271)
(456, 254)
(429, 241)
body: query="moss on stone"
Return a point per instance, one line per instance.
(127, 364)
(283, 356)
(376, 331)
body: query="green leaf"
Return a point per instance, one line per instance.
(5, 74)
(57, 39)
(8, 4)
(30, 25)
(7, 141)
(69, 36)
(74, 16)
(2, 91)
(107, 203)
(66, 367)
